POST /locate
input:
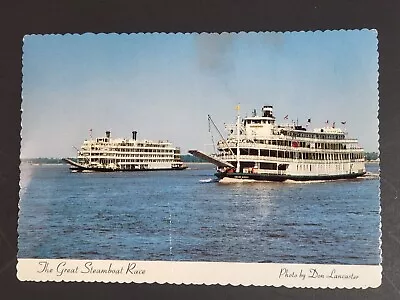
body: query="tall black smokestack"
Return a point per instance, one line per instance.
(108, 134)
(134, 133)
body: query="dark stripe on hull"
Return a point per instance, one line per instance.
(91, 169)
(287, 177)
(125, 170)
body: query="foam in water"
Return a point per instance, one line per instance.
(208, 180)
(367, 176)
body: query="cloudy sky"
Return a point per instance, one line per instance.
(165, 85)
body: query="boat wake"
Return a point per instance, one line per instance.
(367, 176)
(370, 175)
(25, 178)
(307, 181)
(288, 181)
(208, 180)
(238, 180)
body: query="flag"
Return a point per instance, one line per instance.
(309, 121)
(327, 122)
(237, 107)
(286, 117)
(343, 122)
(295, 144)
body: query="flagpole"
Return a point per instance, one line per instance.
(237, 138)
(345, 129)
(308, 123)
(90, 146)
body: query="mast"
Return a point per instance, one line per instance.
(90, 147)
(220, 134)
(237, 139)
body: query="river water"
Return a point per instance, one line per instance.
(186, 216)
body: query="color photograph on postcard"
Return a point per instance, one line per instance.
(159, 157)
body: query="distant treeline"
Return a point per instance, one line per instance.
(47, 160)
(371, 155)
(184, 157)
(43, 160)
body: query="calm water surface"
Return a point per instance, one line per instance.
(175, 215)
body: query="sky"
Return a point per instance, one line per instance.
(165, 85)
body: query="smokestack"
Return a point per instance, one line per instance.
(267, 111)
(134, 133)
(108, 134)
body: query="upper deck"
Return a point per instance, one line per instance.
(264, 127)
(125, 142)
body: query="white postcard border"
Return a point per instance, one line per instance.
(222, 273)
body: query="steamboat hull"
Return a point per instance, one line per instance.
(121, 170)
(282, 177)
(76, 167)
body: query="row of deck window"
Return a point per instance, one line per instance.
(331, 146)
(134, 150)
(283, 167)
(259, 122)
(106, 161)
(127, 155)
(302, 144)
(105, 142)
(312, 135)
(299, 155)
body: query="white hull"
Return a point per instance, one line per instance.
(302, 168)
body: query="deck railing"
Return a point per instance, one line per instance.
(258, 145)
(244, 157)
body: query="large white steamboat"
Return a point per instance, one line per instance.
(257, 148)
(106, 154)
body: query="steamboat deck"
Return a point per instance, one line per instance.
(105, 154)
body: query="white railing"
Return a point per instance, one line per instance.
(289, 148)
(258, 145)
(282, 159)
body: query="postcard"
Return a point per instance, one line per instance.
(214, 158)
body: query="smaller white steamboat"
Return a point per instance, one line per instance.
(105, 154)
(256, 148)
